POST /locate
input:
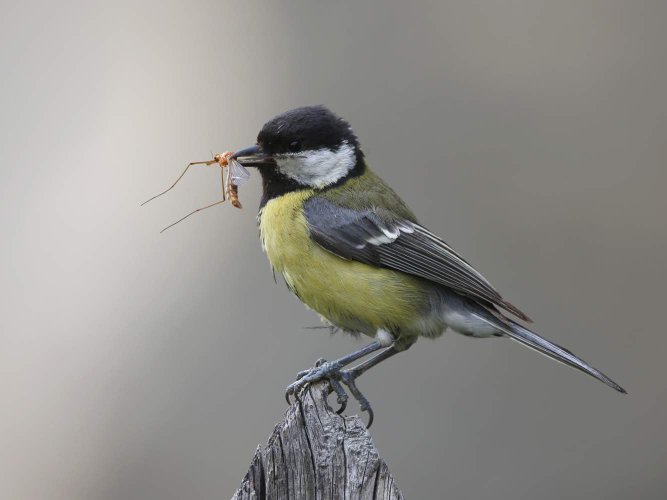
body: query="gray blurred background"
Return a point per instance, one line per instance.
(530, 134)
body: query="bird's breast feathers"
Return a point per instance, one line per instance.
(350, 294)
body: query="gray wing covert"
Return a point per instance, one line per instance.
(377, 237)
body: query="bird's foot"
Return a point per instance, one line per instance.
(323, 370)
(337, 377)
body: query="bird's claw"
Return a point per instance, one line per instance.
(288, 392)
(341, 395)
(322, 370)
(348, 377)
(331, 371)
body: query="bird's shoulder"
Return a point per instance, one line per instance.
(364, 193)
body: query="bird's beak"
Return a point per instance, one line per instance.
(254, 157)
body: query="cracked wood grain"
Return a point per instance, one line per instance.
(316, 454)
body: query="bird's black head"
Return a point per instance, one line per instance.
(307, 147)
(310, 128)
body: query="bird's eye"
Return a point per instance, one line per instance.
(294, 146)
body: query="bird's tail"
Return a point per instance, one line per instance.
(530, 339)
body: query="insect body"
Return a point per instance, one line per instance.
(237, 175)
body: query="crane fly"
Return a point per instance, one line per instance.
(232, 175)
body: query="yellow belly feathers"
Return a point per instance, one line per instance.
(349, 294)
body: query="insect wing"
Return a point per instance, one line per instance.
(238, 173)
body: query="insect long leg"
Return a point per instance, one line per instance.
(222, 180)
(192, 213)
(209, 162)
(228, 178)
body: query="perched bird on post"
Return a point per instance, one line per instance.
(352, 251)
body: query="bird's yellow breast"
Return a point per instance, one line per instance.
(349, 294)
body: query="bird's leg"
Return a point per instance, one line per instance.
(331, 371)
(370, 363)
(345, 360)
(348, 377)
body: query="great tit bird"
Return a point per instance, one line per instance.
(352, 251)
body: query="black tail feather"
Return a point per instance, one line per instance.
(530, 339)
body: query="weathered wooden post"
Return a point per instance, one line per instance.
(316, 454)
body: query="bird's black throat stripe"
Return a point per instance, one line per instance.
(275, 183)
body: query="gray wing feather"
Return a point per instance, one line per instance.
(377, 237)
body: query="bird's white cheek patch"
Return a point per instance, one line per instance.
(318, 168)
